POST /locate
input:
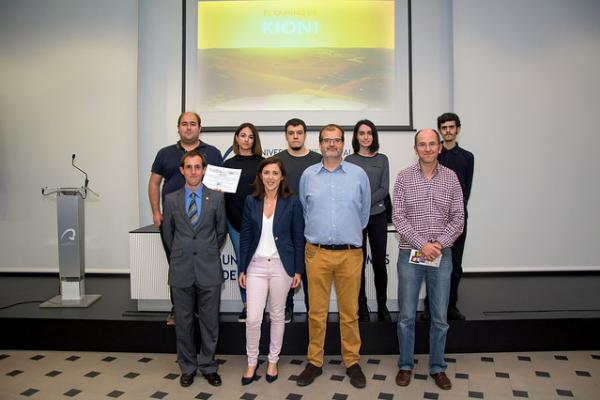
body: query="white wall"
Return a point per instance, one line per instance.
(522, 75)
(67, 85)
(159, 87)
(432, 36)
(527, 89)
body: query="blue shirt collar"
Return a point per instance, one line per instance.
(188, 191)
(340, 167)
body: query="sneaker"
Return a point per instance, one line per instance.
(455, 314)
(363, 312)
(242, 316)
(171, 319)
(383, 314)
(288, 315)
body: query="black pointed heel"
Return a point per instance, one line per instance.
(247, 381)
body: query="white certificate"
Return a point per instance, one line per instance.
(221, 178)
(416, 257)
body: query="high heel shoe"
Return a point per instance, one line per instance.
(271, 378)
(249, 380)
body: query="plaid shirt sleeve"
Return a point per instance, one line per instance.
(399, 214)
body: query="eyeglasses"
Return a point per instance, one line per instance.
(335, 140)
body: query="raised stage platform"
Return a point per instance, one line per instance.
(504, 313)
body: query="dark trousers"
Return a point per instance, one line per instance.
(376, 231)
(457, 254)
(289, 301)
(168, 254)
(205, 301)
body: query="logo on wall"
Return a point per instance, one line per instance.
(69, 234)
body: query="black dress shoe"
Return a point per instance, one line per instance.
(357, 378)
(455, 314)
(213, 378)
(186, 379)
(308, 375)
(383, 314)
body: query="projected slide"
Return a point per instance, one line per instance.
(304, 57)
(295, 55)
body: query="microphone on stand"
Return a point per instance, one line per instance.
(87, 181)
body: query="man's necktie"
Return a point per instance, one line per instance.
(192, 211)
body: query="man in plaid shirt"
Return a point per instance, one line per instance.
(428, 214)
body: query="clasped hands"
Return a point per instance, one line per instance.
(431, 250)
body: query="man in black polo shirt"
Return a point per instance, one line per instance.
(461, 162)
(166, 167)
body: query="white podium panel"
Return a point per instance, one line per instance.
(149, 272)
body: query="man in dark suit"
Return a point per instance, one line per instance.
(165, 169)
(194, 229)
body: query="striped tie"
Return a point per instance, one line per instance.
(192, 211)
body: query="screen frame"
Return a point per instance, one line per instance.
(277, 128)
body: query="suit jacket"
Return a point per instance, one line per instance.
(195, 253)
(288, 232)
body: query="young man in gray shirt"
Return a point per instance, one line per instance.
(295, 160)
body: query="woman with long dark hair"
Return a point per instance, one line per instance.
(271, 259)
(365, 143)
(248, 154)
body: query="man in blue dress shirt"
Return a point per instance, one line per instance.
(336, 198)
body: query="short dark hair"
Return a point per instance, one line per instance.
(437, 134)
(192, 153)
(330, 127)
(374, 145)
(259, 187)
(447, 117)
(256, 146)
(188, 112)
(295, 122)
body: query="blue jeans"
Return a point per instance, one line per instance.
(410, 277)
(234, 236)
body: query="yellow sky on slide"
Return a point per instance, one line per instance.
(288, 24)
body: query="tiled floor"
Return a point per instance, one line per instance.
(82, 375)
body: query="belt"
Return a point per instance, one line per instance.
(336, 246)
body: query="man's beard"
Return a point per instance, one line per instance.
(296, 148)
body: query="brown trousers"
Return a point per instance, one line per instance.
(344, 268)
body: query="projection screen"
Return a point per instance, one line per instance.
(324, 61)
